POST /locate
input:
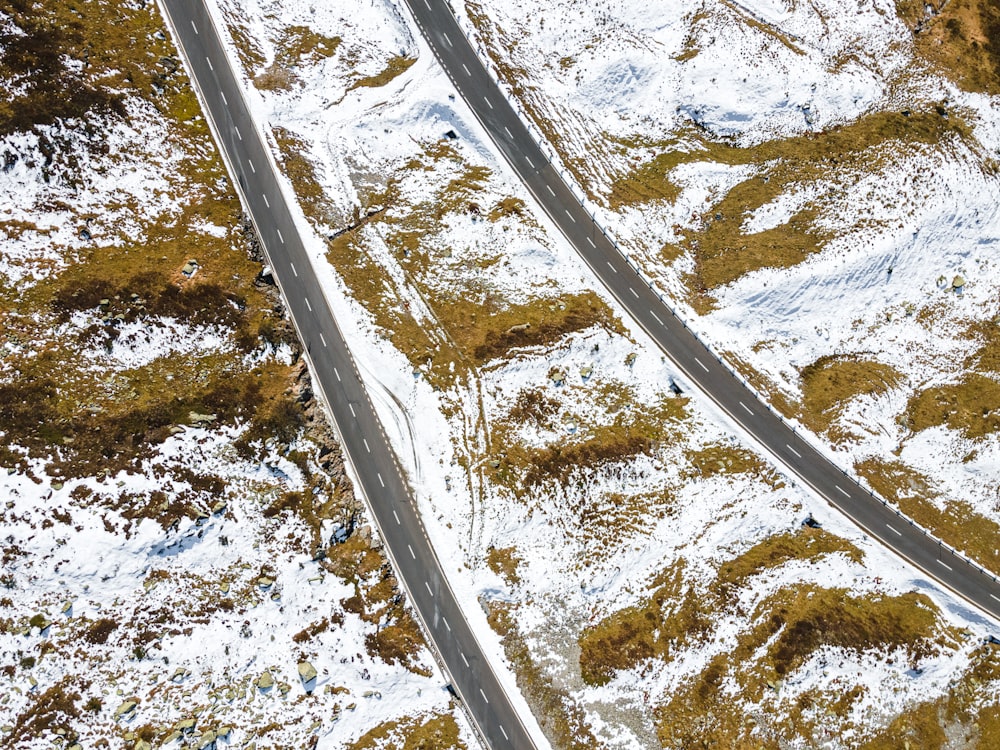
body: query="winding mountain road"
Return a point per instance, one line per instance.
(715, 379)
(377, 474)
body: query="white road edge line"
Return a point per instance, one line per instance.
(793, 450)
(898, 533)
(746, 407)
(842, 491)
(944, 564)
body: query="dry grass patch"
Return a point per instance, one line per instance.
(504, 562)
(712, 460)
(830, 382)
(305, 176)
(971, 406)
(962, 38)
(438, 732)
(394, 68)
(956, 522)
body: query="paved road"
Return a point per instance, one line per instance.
(379, 476)
(459, 60)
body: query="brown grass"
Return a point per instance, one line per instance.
(971, 406)
(438, 732)
(961, 38)
(394, 68)
(504, 562)
(831, 382)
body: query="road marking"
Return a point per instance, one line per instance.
(266, 201)
(351, 407)
(447, 39)
(237, 132)
(484, 695)
(363, 440)
(428, 5)
(591, 242)
(503, 733)
(428, 587)
(209, 64)
(293, 269)
(252, 167)
(553, 192)
(634, 292)
(223, 95)
(337, 373)
(411, 551)
(841, 491)
(899, 533)
(508, 131)
(746, 407)
(992, 596)
(570, 216)
(944, 564)
(466, 69)
(702, 366)
(322, 339)
(612, 267)
(397, 518)
(530, 164)
(463, 658)
(307, 304)
(380, 479)
(793, 450)
(488, 102)
(194, 27)
(446, 624)
(280, 238)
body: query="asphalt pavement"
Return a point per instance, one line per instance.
(699, 365)
(378, 476)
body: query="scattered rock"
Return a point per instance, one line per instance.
(265, 681)
(127, 709)
(307, 672)
(201, 419)
(520, 328)
(630, 359)
(206, 739)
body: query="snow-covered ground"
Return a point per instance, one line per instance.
(590, 543)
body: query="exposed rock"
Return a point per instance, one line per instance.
(126, 709)
(307, 672)
(201, 419)
(265, 681)
(208, 738)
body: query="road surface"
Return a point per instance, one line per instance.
(440, 28)
(379, 478)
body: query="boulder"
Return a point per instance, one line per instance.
(126, 709)
(307, 672)
(265, 681)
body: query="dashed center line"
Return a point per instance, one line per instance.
(634, 292)
(397, 518)
(899, 533)
(612, 267)
(337, 373)
(411, 551)
(209, 64)
(503, 732)
(237, 132)
(365, 441)
(223, 95)
(570, 216)
(428, 587)
(252, 167)
(842, 491)
(351, 407)
(591, 242)
(446, 624)
(447, 39)
(484, 695)
(944, 564)
(322, 339)
(747, 408)
(656, 317)
(992, 596)
(194, 27)
(530, 163)
(280, 238)
(551, 191)
(793, 450)
(428, 5)
(463, 658)
(508, 131)
(466, 69)
(380, 479)
(266, 201)
(293, 269)
(488, 102)
(701, 364)
(307, 304)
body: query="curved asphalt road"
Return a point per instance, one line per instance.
(441, 30)
(378, 475)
